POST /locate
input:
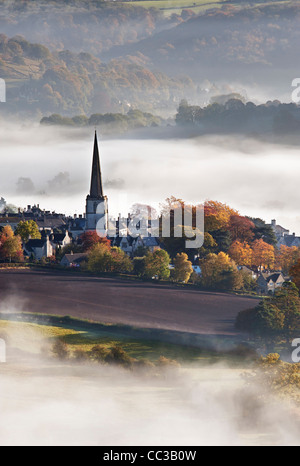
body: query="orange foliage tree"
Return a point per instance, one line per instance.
(241, 253)
(263, 255)
(10, 246)
(287, 257)
(217, 215)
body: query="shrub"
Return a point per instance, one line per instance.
(165, 362)
(139, 265)
(80, 355)
(99, 353)
(144, 364)
(118, 356)
(60, 350)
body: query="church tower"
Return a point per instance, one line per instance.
(96, 202)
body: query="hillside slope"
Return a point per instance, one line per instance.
(252, 43)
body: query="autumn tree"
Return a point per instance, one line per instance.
(102, 258)
(28, 230)
(183, 268)
(275, 317)
(263, 254)
(91, 238)
(287, 257)
(120, 261)
(241, 253)
(295, 274)
(209, 245)
(10, 246)
(157, 264)
(220, 271)
(217, 215)
(241, 228)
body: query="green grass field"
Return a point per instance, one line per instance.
(33, 337)
(176, 6)
(198, 6)
(33, 334)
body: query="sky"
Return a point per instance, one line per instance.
(52, 167)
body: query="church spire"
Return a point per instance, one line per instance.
(96, 191)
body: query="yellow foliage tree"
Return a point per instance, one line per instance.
(102, 258)
(183, 268)
(220, 271)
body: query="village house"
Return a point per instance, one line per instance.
(39, 248)
(45, 220)
(278, 229)
(9, 220)
(130, 245)
(284, 238)
(289, 240)
(60, 240)
(268, 283)
(123, 242)
(243, 268)
(147, 242)
(73, 259)
(76, 226)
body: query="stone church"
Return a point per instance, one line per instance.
(96, 203)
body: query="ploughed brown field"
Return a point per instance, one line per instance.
(118, 301)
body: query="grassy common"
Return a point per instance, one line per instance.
(32, 334)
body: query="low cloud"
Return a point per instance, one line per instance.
(60, 182)
(257, 178)
(115, 184)
(25, 186)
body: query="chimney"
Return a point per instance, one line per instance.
(273, 222)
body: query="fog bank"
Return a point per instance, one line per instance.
(64, 405)
(51, 166)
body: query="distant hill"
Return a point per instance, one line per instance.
(86, 57)
(80, 25)
(40, 81)
(252, 43)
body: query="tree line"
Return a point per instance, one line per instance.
(236, 116)
(109, 122)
